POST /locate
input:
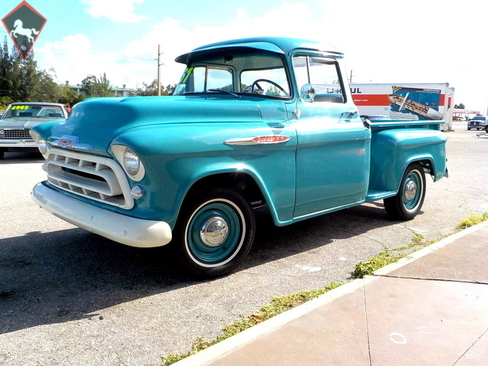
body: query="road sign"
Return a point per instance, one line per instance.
(24, 24)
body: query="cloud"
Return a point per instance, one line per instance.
(273, 23)
(73, 60)
(119, 11)
(74, 57)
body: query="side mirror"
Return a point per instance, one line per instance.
(307, 93)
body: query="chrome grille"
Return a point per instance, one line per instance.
(16, 134)
(93, 177)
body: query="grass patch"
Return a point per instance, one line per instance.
(277, 306)
(372, 264)
(388, 256)
(472, 220)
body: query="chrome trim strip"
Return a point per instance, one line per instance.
(258, 140)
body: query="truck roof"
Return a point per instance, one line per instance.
(283, 45)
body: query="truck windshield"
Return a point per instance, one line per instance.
(237, 71)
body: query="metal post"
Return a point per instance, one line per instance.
(159, 69)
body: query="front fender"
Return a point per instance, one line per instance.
(177, 157)
(276, 186)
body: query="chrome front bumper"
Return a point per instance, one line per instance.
(120, 228)
(18, 143)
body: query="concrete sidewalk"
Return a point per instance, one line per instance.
(429, 309)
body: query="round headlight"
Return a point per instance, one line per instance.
(132, 163)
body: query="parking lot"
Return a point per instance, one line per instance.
(71, 297)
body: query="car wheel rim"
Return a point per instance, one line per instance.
(412, 190)
(215, 233)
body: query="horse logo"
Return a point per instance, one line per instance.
(24, 24)
(19, 29)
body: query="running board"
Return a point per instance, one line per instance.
(379, 195)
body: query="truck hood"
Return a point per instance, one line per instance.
(96, 122)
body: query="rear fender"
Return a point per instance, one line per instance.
(392, 151)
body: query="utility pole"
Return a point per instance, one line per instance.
(159, 69)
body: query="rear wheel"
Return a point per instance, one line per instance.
(409, 199)
(214, 233)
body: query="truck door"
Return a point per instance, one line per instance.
(333, 151)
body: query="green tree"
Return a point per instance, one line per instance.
(460, 106)
(5, 66)
(152, 89)
(38, 85)
(97, 87)
(148, 89)
(21, 81)
(103, 87)
(169, 89)
(68, 96)
(9, 72)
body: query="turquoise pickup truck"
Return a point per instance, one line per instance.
(253, 122)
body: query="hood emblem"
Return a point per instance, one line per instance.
(65, 143)
(72, 143)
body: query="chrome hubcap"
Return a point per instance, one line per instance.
(214, 231)
(410, 190)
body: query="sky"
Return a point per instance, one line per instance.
(415, 41)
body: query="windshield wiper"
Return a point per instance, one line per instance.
(225, 91)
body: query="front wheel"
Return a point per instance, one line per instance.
(409, 199)
(214, 233)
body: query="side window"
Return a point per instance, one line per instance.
(323, 74)
(200, 79)
(219, 79)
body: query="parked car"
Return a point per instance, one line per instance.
(478, 122)
(19, 118)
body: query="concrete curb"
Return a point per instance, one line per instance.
(228, 345)
(220, 349)
(427, 250)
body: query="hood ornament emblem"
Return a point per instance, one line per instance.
(72, 143)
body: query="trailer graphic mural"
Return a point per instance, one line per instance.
(424, 101)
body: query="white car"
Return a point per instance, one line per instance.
(19, 118)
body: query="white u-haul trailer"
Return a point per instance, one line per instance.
(422, 101)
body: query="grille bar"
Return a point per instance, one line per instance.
(93, 177)
(16, 134)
